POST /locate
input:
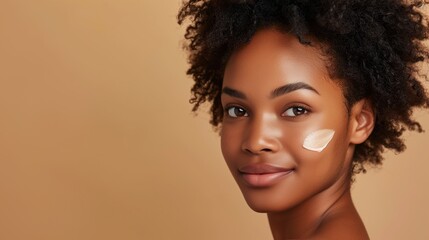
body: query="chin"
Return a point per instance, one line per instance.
(266, 207)
(264, 201)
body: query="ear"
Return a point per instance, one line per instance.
(362, 121)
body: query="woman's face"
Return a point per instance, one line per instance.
(276, 92)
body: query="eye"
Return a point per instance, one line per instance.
(236, 112)
(295, 111)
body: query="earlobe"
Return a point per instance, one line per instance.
(362, 121)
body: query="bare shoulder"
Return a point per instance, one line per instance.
(341, 226)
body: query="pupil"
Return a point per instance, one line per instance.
(298, 111)
(239, 112)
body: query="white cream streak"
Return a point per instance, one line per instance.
(318, 140)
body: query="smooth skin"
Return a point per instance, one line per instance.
(276, 91)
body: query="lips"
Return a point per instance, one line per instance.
(263, 175)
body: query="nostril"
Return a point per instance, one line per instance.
(258, 151)
(248, 150)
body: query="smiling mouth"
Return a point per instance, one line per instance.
(263, 175)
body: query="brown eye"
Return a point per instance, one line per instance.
(295, 111)
(235, 112)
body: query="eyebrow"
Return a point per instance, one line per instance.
(290, 88)
(233, 93)
(275, 93)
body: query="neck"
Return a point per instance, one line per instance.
(305, 218)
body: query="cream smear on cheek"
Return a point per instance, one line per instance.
(318, 140)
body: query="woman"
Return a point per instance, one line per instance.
(306, 94)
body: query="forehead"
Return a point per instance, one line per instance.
(275, 57)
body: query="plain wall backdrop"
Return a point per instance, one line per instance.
(97, 140)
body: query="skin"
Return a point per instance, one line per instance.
(313, 200)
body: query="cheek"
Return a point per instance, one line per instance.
(326, 155)
(229, 142)
(317, 141)
(310, 145)
(292, 140)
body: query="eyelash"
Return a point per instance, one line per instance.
(305, 109)
(229, 108)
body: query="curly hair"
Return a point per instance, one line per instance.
(375, 46)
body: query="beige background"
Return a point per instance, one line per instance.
(97, 140)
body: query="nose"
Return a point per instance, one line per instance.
(262, 136)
